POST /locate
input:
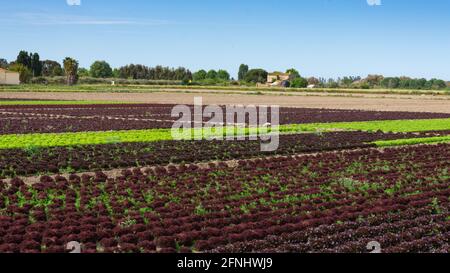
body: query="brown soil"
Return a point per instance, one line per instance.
(378, 103)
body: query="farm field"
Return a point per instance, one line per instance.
(342, 100)
(110, 176)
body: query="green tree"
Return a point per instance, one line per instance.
(313, 80)
(212, 74)
(393, 83)
(435, 84)
(294, 73)
(116, 73)
(299, 82)
(243, 70)
(3, 63)
(71, 70)
(256, 76)
(31, 61)
(138, 71)
(51, 69)
(438, 84)
(83, 72)
(200, 75)
(36, 65)
(25, 73)
(101, 69)
(331, 83)
(374, 80)
(223, 75)
(180, 73)
(24, 59)
(404, 82)
(390, 83)
(346, 81)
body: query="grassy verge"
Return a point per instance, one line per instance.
(93, 138)
(155, 88)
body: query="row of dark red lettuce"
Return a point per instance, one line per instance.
(329, 202)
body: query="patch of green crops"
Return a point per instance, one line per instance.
(95, 138)
(412, 141)
(398, 126)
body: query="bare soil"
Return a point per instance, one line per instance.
(378, 103)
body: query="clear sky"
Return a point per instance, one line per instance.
(327, 38)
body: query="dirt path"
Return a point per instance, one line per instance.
(379, 103)
(30, 180)
(310, 93)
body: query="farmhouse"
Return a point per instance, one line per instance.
(9, 77)
(279, 79)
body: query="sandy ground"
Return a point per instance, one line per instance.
(312, 93)
(379, 103)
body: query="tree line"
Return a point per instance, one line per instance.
(29, 65)
(143, 72)
(381, 82)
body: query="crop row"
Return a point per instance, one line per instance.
(29, 125)
(412, 141)
(339, 237)
(182, 209)
(385, 126)
(80, 118)
(17, 103)
(32, 161)
(106, 137)
(291, 115)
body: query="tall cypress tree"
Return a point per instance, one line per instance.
(243, 70)
(24, 59)
(36, 65)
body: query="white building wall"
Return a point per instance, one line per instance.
(12, 78)
(2, 77)
(7, 77)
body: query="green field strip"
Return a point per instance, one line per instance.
(412, 141)
(18, 141)
(397, 126)
(82, 138)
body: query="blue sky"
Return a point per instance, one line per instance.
(327, 38)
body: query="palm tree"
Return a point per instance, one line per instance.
(71, 70)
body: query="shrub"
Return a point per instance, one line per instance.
(39, 80)
(25, 72)
(256, 76)
(101, 69)
(299, 83)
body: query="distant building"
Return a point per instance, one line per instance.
(9, 77)
(278, 77)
